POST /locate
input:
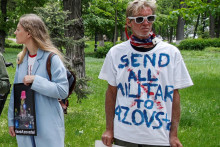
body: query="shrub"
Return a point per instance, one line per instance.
(12, 44)
(199, 44)
(102, 51)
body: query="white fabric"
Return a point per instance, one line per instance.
(31, 61)
(145, 82)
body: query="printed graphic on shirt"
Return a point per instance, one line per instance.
(31, 60)
(142, 86)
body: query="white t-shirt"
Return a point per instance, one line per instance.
(145, 83)
(31, 60)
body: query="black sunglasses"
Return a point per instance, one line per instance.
(140, 19)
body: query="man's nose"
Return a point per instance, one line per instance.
(145, 21)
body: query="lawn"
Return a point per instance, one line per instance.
(85, 122)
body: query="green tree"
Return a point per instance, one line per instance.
(165, 23)
(10, 12)
(75, 51)
(104, 17)
(56, 21)
(99, 19)
(3, 18)
(54, 18)
(209, 10)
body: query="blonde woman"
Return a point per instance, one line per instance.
(31, 69)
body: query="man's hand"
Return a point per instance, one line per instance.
(175, 142)
(28, 79)
(12, 132)
(107, 138)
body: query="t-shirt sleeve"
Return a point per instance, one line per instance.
(108, 71)
(182, 78)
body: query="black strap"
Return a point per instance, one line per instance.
(49, 64)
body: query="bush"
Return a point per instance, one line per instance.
(198, 44)
(12, 44)
(102, 51)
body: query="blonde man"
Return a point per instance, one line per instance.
(144, 74)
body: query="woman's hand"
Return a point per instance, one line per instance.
(28, 79)
(12, 131)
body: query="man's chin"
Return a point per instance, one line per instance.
(143, 36)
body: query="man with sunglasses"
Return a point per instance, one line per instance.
(144, 74)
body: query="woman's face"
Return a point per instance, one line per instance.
(21, 35)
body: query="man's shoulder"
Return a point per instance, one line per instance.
(120, 48)
(167, 46)
(122, 44)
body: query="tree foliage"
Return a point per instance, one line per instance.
(207, 9)
(165, 23)
(54, 18)
(99, 16)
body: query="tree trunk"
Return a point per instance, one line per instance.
(180, 29)
(75, 52)
(101, 39)
(171, 35)
(2, 31)
(196, 27)
(116, 22)
(203, 23)
(218, 27)
(211, 24)
(123, 35)
(180, 26)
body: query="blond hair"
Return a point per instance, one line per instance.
(135, 6)
(35, 26)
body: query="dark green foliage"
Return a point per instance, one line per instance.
(12, 44)
(54, 18)
(198, 44)
(81, 89)
(102, 51)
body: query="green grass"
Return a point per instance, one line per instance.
(200, 117)
(89, 48)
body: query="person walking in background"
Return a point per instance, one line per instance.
(144, 75)
(31, 70)
(4, 83)
(4, 79)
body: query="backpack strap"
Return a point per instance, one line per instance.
(48, 66)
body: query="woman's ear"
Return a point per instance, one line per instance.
(28, 35)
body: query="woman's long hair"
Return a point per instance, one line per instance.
(35, 26)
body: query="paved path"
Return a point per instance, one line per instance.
(13, 39)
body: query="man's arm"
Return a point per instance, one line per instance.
(110, 100)
(174, 140)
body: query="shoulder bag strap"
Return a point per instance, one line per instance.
(48, 66)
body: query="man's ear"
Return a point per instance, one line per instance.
(128, 22)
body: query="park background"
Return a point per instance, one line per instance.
(87, 29)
